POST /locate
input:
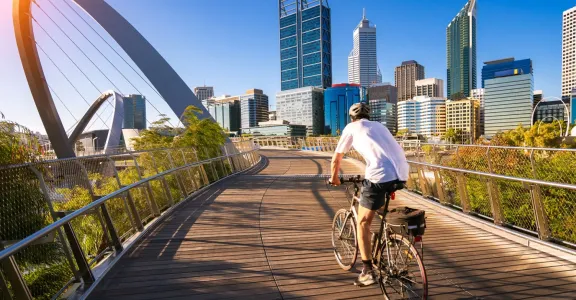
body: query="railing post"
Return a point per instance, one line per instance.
(439, 186)
(495, 204)
(178, 178)
(128, 201)
(464, 201)
(201, 168)
(164, 182)
(188, 171)
(149, 193)
(80, 258)
(214, 169)
(422, 181)
(540, 217)
(14, 276)
(55, 217)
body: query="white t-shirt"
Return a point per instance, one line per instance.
(385, 159)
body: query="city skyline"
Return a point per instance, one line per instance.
(547, 69)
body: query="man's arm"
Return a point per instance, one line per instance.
(335, 167)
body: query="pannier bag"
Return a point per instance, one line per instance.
(407, 221)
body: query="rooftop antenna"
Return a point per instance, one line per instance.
(363, 13)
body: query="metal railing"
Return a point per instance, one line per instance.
(528, 189)
(63, 219)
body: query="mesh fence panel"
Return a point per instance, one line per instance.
(516, 203)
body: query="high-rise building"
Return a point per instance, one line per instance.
(337, 102)
(303, 106)
(405, 77)
(430, 87)
(384, 91)
(362, 63)
(423, 115)
(134, 112)
(461, 52)
(538, 96)
(492, 69)
(508, 101)
(478, 94)
(552, 111)
(464, 115)
(253, 108)
(227, 114)
(305, 44)
(204, 92)
(568, 51)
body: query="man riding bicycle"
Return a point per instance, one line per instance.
(386, 166)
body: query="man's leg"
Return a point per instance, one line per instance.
(365, 217)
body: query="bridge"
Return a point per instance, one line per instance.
(256, 224)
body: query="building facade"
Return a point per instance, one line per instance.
(573, 108)
(494, 68)
(405, 77)
(384, 91)
(538, 96)
(423, 115)
(362, 63)
(384, 112)
(227, 114)
(508, 103)
(303, 106)
(305, 44)
(430, 87)
(337, 102)
(253, 108)
(276, 128)
(461, 52)
(552, 111)
(568, 51)
(464, 115)
(134, 112)
(204, 92)
(478, 94)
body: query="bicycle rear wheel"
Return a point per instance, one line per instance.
(402, 274)
(344, 239)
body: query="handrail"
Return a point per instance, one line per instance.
(489, 146)
(14, 248)
(526, 180)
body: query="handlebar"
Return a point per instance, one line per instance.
(353, 179)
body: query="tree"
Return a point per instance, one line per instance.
(402, 132)
(204, 135)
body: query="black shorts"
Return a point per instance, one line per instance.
(374, 194)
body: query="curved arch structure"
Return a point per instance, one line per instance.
(115, 132)
(547, 99)
(166, 81)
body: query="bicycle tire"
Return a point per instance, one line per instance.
(402, 282)
(346, 245)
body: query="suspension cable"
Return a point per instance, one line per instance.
(66, 77)
(113, 65)
(114, 50)
(62, 102)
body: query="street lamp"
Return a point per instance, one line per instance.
(547, 99)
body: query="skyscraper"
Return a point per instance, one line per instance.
(305, 44)
(461, 52)
(337, 102)
(492, 68)
(568, 51)
(253, 108)
(405, 77)
(134, 112)
(362, 63)
(508, 101)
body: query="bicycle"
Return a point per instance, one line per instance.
(398, 264)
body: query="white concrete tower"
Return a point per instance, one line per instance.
(362, 63)
(568, 51)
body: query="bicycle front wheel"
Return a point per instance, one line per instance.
(344, 239)
(402, 273)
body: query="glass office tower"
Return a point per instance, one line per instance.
(461, 52)
(134, 112)
(305, 44)
(337, 102)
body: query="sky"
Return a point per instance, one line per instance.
(233, 45)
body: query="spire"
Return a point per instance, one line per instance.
(363, 13)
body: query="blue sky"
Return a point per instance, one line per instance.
(233, 45)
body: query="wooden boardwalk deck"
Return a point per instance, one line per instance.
(257, 237)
